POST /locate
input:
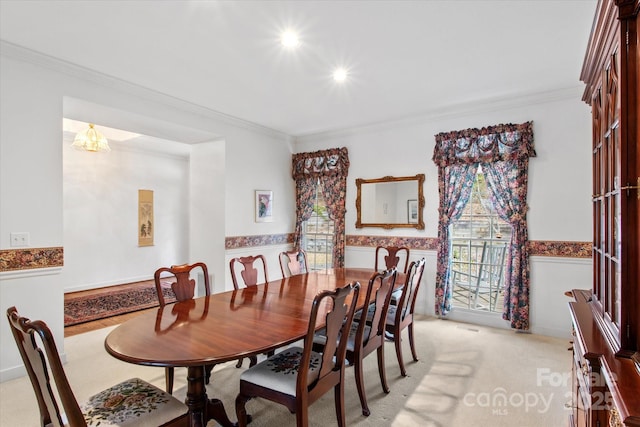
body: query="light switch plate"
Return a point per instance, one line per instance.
(19, 239)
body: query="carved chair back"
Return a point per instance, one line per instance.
(247, 267)
(293, 262)
(388, 257)
(184, 286)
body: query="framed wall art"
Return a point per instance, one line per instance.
(146, 226)
(412, 211)
(264, 206)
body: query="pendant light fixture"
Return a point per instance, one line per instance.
(91, 140)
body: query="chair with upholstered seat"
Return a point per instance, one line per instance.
(299, 376)
(247, 268)
(184, 289)
(368, 335)
(140, 404)
(293, 262)
(400, 316)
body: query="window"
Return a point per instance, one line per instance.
(317, 235)
(479, 250)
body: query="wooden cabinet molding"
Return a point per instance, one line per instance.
(606, 318)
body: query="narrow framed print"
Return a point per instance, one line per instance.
(264, 206)
(146, 227)
(412, 211)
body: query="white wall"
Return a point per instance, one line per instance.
(100, 211)
(266, 166)
(207, 220)
(559, 189)
(33, 90)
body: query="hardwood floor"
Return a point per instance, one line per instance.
(109, 321)
(101, 323)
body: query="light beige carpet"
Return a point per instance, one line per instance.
(467, 375)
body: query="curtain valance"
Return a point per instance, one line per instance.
(331, 162)
(486, 145)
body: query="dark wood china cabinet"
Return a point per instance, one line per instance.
(606, 318)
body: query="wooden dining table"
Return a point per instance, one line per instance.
(223, 327)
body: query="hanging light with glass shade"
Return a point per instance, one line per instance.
(91, 140)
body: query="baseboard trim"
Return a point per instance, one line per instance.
(20, 371)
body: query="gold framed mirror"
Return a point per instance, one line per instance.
(390, 202)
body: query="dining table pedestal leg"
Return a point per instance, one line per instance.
(201, 408)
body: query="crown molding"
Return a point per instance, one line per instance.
(453, 111)
(20, 53)
(33, 57)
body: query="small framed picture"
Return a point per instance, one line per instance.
(412, 211)
(264, 206)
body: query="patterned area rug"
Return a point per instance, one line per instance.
(112, 302)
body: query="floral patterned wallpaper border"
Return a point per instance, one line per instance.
(536, 247)
(417, 243)
(237, 242)
(560, 249)
(32, 258)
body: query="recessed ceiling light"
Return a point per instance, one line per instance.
(340, 74)
(289, 39)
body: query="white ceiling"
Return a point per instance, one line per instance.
(406, 58)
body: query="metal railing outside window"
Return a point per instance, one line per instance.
(478, 253)
(317, 236)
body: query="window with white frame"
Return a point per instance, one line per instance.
(479, 249)
(317, 235)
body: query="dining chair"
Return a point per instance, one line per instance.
(368, 333)
(184, 289)
(388, 257)
(299, 376)
(293, 262)
(245, 267)
(400, 316)
(131, 402)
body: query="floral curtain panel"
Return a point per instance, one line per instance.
(454, 185)
(331, 167)
(503, 151)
